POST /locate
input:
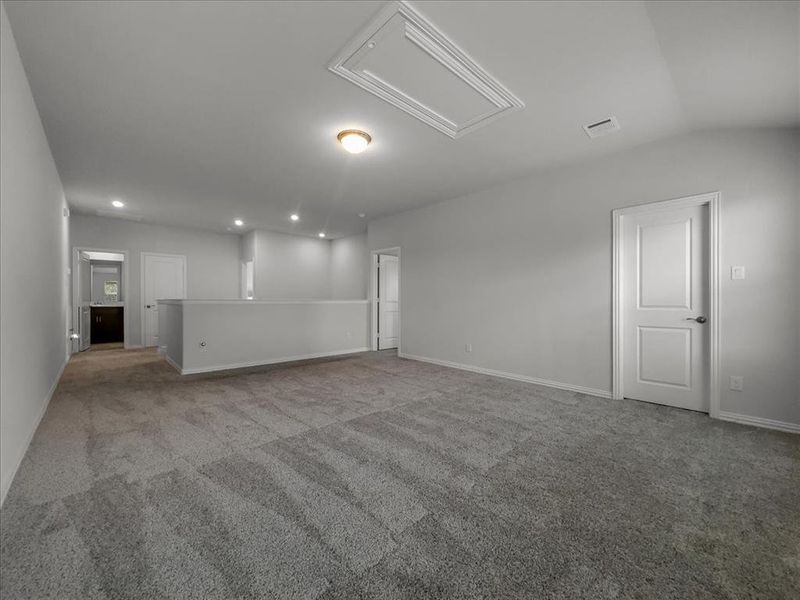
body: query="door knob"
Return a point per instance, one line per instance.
(698, 319)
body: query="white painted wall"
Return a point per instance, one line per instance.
(349, 267)
(34, 306)
(289, 266)
(99, 278)
(245, 333)
(523, 271)
(212, 259)
(170, 330)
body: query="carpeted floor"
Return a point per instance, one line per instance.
(375, 477)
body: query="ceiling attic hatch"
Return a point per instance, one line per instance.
(405, 60)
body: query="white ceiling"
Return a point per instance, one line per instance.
(197, 113)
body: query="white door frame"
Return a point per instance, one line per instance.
(141, 283)
(126, 295)
(712, 199)
(373, 297)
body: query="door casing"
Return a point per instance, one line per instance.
(76, 250)
(712, 199)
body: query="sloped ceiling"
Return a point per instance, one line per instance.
(197, 113)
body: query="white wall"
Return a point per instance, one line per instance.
(349, 267)
(99, 278)
(212, 259)
(242, 333)
(523, 271)
(34, 305)
(291, 266)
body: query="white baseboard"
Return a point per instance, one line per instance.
(262, 362)
(9, 479)
(760, 422)
(171, 362)
(505, 375)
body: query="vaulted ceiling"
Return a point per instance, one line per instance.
(195, 113)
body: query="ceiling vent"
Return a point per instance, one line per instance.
(601, 128)
(402, 58)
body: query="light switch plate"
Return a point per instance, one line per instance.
(737, 383)
(737, 272)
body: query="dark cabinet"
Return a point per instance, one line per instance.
(107, 324)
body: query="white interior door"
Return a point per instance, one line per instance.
(84, 301)
(388, 301)
(664, 291)
(163, 277)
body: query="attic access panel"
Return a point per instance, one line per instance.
(405, 60)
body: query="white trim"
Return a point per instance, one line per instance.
(712, 199)
(171, 362)
(126, 293)
(424, 34)
(506, 375)
(182, 302)
(373, 297)
(141, 285)
(6, 484)
(759, 422)
(262, 362)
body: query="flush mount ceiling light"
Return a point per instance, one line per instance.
(295, 217)
(321, 234)
(238, 222)
(117, 203)
(354, 140)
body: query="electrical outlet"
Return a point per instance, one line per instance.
(467, 347)
(737, 383)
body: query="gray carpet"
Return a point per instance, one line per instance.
(375, 477)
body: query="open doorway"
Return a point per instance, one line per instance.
(385, 294)
(99, 291)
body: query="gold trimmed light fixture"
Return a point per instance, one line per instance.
(354, 141)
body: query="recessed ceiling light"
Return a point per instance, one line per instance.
(362, 215)
(117, 203)
(295, 217)
(238, 222)
(353, 140)
(321, 234)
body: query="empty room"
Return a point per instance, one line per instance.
(399, 300)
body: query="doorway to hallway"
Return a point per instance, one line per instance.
(385, 299)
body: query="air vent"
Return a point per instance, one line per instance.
(601, 128)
